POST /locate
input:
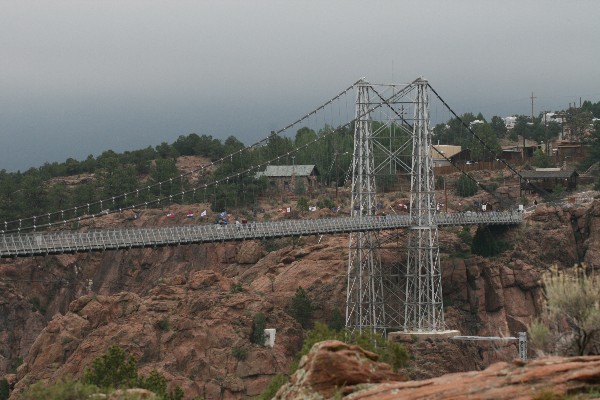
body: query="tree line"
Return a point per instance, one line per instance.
(44, 189)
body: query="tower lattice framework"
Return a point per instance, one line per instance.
(423, 309)
(365, 306)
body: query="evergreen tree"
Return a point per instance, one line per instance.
(301, 308)
(114, 369)
(258, 329)
(465, 186)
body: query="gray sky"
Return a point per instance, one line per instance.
(81, 77)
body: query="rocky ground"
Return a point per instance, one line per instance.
(187, 311)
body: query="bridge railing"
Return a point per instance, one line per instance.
(37, 243)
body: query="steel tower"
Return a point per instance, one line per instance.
(423, 309)
(365, 307)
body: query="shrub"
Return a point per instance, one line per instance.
(269, 392)
(163, 324)
(36, 305)
(258, 329)
(570, 324)
(465, 235)
(114, 369)
(486, 244)
(117, 370)
(157, 383)
(241, 353)
(4, 389)
(299, 188)
(63, 390)
(16, 363)
(465, 186)
(236, 288)
(302, 204)
(325, 203)
(337, 321)
(440, 182)
(301, 308)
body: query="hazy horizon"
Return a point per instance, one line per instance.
(83, 77)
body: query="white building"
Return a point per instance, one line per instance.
(510, 122)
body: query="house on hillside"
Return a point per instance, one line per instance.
(441, 153)
(548, 179)
(290, 177)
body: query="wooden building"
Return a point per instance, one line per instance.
(548, 179)
(291, 177)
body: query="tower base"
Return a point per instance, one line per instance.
(414, 336)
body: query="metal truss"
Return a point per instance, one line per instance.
(423, 307)
(364, 295)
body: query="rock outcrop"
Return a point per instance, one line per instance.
(332, 365)
(335, 369)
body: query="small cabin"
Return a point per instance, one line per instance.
(291, 177)
(548, 179)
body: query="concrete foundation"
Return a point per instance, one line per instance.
(414, 336)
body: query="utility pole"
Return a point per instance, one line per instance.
(546, 130)
(532, 97)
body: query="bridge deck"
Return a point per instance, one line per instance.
(38, 243)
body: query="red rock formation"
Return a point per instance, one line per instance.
(187, 329)
(333, 368)
(332, 365)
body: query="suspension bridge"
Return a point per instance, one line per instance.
(404, 296)
(43, 244)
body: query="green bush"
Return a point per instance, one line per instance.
(337, 321)
(301, 308)
(302, 204)
(325, 203)
(63, 390)
(486, 244)
(269, 392)
(114, 369)
(118, 370)
(16, 363)
(259, 324)
(465, 235)
(164, 324)
(4, 389)
(465, 186)
(236, 288)
(570, 323)
(36, 305)
(240, 353)
(157, 383)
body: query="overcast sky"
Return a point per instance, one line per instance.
(81, 77)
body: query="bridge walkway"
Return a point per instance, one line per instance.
(46, 243)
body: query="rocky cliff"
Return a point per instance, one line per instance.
(358, 375)
(187, 311)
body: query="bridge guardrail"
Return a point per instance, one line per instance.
(37, 243)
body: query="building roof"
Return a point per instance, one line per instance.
(446, 149)
(288, 170)
(544, 173)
